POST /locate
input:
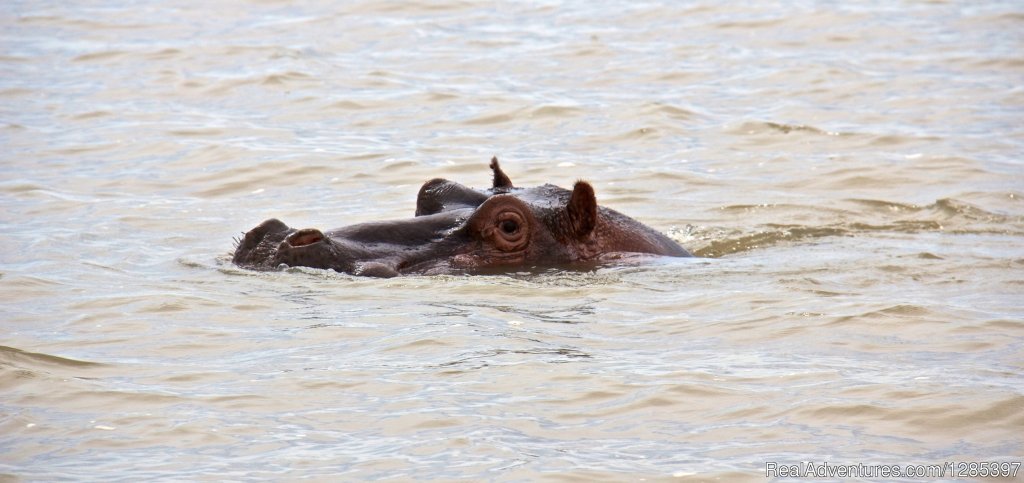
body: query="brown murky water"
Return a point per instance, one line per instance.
(852, 175)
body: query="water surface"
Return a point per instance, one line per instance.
(850, 175)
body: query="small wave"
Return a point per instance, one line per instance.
(769, 131)
(499, 357)
(101, 56)
(671, 111)
(556, 315)
(764, 239)
(945, 215)
(556, 111)
(347, 105)
(943, 210)
(18, 357)
(286, 78)
(768, 127)
(494, 118)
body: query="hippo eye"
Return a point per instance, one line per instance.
(509, 231)
(509, 226)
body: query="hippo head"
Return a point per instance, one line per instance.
(460, 229)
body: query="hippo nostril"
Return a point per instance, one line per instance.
(305, 236)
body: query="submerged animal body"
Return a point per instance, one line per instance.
(459, 229)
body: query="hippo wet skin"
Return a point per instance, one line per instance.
(458, 229)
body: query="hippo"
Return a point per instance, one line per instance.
(457, 229)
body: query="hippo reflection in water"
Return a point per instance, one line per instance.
(460, 229)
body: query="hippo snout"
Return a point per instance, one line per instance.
(254, 237)
(262, 245)
(258, 246)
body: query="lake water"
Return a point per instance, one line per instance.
(851, 175)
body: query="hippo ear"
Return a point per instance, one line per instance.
(500, 178)
(581, 212)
